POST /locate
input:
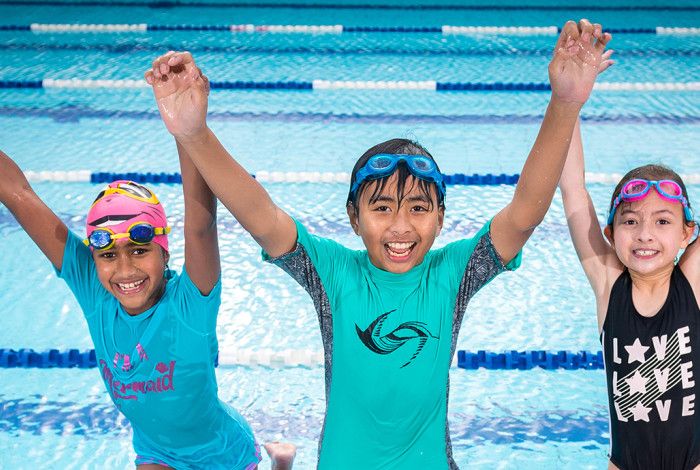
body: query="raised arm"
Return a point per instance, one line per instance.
(578, 58)
(40, 223)
(182, 92)
(599, 261)
(201, 242)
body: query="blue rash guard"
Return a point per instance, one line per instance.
(158, 367)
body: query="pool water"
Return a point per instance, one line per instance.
(62, 418)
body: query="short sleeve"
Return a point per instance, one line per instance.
(313, 255)
(79, 272)
(198, 311)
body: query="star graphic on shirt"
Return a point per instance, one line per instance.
(636, 352)
(640, 412)
(637, 383)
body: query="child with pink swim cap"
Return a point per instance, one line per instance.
(154, 330)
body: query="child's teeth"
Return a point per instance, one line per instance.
(399, 249)
(130, 285)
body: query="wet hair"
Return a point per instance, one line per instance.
(394, 147)
(652, 172)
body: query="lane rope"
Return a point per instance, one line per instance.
(426, 85)
(509, 360)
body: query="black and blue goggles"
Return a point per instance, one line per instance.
(384, 164)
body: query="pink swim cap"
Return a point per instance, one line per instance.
(124, 203)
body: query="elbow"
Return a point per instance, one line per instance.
(525, 221)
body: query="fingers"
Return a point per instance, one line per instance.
(603, 41)
(605, 61)
(170, 62)
(568, 33)
(586, 30)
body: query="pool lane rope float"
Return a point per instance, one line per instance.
(426, 85)
(156, 4)
(332, 29)
(509, 360)
(475, 179)
(487, 179)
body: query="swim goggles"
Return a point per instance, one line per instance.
(637, 189)
(129, 189)
(139, 233)
(384, 164)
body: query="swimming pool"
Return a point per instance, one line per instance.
(62, 418)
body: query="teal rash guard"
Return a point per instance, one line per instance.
(158, 367)
(388, 343)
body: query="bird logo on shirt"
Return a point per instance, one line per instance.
(379, 343)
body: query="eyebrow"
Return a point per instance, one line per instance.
(383, 198)
(660, 211)
(419, 198)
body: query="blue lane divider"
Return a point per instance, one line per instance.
(299, 85)
(496, 86)
(334, 29)
(348, 6)
(21, 84)
(392, 29)
(28, 358)
(108, 177)
(248, 85)
(524, 360)
(475, 179)
(511, 360)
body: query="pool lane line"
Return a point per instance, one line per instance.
(475, 179)
(509, 360)
(446, 30)
(169, 4)
(292, 85)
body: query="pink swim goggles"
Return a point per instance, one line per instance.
(637, 189)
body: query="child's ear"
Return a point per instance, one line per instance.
(166, 255)
(607, 231)
(441, 218)
(353, 216)
(688, 231)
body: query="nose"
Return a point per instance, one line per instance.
(401, 223)
(645, 232)
(125, 265)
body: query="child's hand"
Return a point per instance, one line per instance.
(579, 57)
(181, 92)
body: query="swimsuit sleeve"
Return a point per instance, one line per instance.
(317, 264)
(197, 310)
(79, 272)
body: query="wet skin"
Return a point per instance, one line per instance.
(648, 234)
(397, 234)
(133, 274)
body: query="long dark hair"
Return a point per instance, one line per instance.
(394, 147)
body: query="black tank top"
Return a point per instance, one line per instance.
(650, 364)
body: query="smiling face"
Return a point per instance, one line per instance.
(647, 234)
(133, 274)
(397, 232)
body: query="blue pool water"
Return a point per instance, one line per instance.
(62, 418)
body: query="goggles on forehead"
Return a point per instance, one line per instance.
(129, 189)
(139, 233)
(384, 164)
(637, 189)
